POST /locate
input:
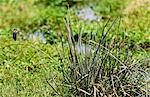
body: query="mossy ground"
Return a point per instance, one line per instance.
(25, 65)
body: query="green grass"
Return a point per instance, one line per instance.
(28, 16)
(27, 65)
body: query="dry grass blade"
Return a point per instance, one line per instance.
(113, 86)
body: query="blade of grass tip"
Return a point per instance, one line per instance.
(70, 27)
(106, 33)
(68, 30)
(95, 53)
(71, 35)
(103, 30)
(72, 41)
(72, 55)
(71, 58)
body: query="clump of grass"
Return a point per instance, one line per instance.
(107, 68)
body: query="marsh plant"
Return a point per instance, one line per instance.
(102, 67)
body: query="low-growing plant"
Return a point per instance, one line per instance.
(100, 67)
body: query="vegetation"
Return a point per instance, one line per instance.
(109, 56)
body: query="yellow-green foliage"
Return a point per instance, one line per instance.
(28, 16)
(25, 66)
(137, 19)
